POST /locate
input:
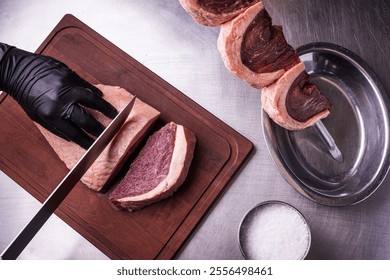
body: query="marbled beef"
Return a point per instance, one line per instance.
(254, 49)
(158, 170)
(293, 102)
(215, 12)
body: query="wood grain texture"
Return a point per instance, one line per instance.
(155, 232)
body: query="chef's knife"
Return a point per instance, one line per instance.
(63, 189)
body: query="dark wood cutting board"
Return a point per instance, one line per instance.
(155, 232)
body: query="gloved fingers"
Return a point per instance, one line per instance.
(66, 130)
(48, 127)
(81, 118)
(89, 86)
(91, 99)
(80, 82)
(73, 133)
(54, 130)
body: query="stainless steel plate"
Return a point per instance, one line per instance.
(358, 122)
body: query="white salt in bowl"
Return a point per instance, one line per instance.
(274, 230)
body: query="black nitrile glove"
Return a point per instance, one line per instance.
(51, 94)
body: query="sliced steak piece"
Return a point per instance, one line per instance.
(158, 170)
(215, 12)
(293, 102)
(112, 158)
(254, 49)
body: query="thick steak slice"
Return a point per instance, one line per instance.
(158, 170)
(254, 49)
(215, 12)
(112, 158)
(293, 102)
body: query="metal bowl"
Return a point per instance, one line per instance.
(358, 122)
(274, 230)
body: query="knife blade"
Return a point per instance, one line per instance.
(66, 185)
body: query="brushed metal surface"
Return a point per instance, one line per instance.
(162, 36)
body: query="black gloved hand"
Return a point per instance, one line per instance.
(51, 94)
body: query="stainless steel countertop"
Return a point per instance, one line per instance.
(162, 36)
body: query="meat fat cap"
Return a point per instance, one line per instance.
(229, 45)
(208, 18)
(274, 101)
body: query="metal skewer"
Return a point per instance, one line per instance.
(329, 141)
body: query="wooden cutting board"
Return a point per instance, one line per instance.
(155, 232)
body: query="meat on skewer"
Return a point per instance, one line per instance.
(215, 12)
(255, 50)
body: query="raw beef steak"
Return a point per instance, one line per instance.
(254, 49)
(215, 12)
(158, 170)
(293, 102)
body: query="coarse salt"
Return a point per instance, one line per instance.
(275, 231)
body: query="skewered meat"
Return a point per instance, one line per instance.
(215, 12)
(293, 102)
(254, 49)
(257, 52)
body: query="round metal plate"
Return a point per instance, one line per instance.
(358, 122)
